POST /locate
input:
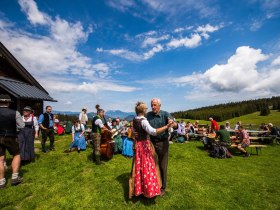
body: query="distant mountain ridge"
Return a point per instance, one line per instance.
(109, 113)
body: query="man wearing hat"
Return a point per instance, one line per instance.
(27, 135)
(46, 123)
(83, 118)
(10, 121)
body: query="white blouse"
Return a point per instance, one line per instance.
(35, 121)
(146, 126)
(80, 126)
(99, 123)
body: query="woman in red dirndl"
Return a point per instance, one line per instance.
(145, 176)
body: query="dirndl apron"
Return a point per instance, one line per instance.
(26, 141)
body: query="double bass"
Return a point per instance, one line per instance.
(107, 145)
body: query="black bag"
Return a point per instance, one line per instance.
(219, 151)
(277, 131)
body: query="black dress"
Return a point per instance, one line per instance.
(26, 141)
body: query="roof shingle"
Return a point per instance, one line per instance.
(23, 90)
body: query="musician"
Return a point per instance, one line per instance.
(117, 136)
(98, 127)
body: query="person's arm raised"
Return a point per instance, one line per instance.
(152, 131)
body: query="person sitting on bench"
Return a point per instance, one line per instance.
(244, 139)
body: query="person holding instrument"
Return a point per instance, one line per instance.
(98, 126)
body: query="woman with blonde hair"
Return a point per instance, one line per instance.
(145, 177)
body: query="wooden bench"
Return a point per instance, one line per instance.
(257, 146)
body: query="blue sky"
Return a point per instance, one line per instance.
(188, 53)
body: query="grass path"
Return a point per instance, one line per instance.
(195, 181)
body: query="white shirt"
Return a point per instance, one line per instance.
(146, 126)
(83, 117)
(35, 121)
(109, 124)
(80, 126)
(99, 123)
(182, 128)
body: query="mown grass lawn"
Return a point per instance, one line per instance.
(195, 181)
(255, 119)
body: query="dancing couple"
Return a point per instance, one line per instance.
(149, 168)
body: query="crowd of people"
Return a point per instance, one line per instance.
(145, 138)
(220, 135)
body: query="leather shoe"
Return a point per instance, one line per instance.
(16, 181)
(162, 192)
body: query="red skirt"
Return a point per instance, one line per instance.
(145, 176)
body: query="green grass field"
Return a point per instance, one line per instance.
(255, 119)
(195, 181)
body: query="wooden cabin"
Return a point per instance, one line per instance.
(22, 87)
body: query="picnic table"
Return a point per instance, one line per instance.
(256, 132)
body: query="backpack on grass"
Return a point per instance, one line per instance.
(219, 151)
(277, 131)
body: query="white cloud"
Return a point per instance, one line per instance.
(99, 49)
(191, 42)
(150, 41)
(129, 55)
(276, 62)
(56, 53)
(231, 76)
(238, 74)
(160, 42)
(132, 56)
(181, 29)
(178, 30)
(68, 33)
(256, 25)
(271, 7)
(122, 5)
(204, 30)
(146, 34)
(29, 7)
(151, 9)
(68, 103)
(87, 87)
(238, 79)
(173, 8)
(153, 51)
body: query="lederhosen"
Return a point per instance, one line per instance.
(8, 131)
(96, 134)
(26, 141)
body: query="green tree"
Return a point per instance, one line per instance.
(265, 111)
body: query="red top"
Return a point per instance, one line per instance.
(214, 125)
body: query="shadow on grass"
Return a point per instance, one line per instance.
(123, 179)
(233, 151)
(8, 172)
(201, 147)
(90, 158)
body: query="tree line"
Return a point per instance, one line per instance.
(222, 112)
